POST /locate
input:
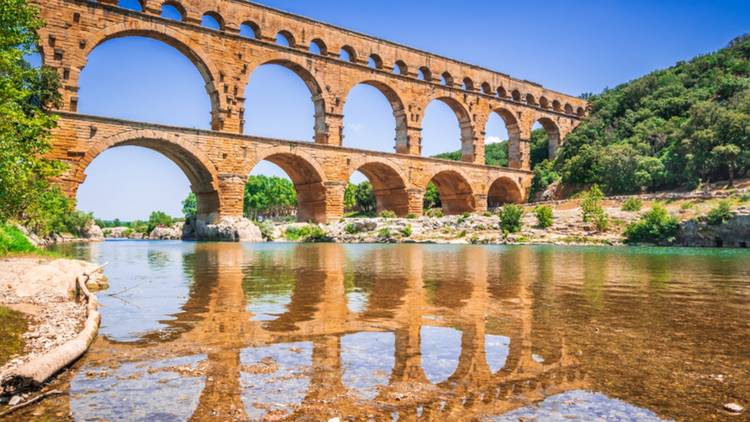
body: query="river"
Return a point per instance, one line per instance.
(202, 331)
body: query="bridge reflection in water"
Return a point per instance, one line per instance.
(328, 330)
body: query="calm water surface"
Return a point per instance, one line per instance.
(411, 332)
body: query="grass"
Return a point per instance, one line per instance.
(13, 242)
(12, 327)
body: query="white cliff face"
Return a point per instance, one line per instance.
(228, 229)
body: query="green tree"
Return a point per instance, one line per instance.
(269, 196)
(159, 219)
(25, 95)
(511, 218)
(190, 206)
(656, 226)
(365, 198)
(432, 197)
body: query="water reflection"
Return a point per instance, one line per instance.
(428, 332)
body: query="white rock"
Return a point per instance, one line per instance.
(733, 408)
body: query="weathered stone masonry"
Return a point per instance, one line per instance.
(218, 162)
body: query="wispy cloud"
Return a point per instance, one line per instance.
(492, 140)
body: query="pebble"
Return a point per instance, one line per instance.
(14, 401)
(733, 408)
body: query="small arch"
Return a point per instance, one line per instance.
(212, 20)
(250, 30)
(388, 185)
(285, 39)
(516, 95)
(556, 105)
(446, 79)
(424, 74)
(173, 10)
(400, 68)
(544, 102)
(486, 88)
(317, 46)
(456, 195)
(580, 111)
(374, 62)
(553, 135)
(468, 84)
(308, 179)
(348, 54)
(136, 5)
(530, 99)
(504, 191)
(568, 108)
(501, 92)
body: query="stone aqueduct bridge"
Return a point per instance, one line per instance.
(217, 162)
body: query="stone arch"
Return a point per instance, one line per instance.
(568, 108)
(350, 51)
(553, 134)
(514, 131)
(197, 167)
(465, 123)
(486, 88)
(253, 27)
(316, 92)
(217, 17)
(580, 111)
(468, 84)
(388, 184)
(400, 68)
(456, 193)
(501, 92)
(530, 99)
(425, 74)
(447, 79)
(556, 105)
(375, 62)
(397, 105)
(177, 5)
(321, 46)
(516, 95)
(288, 37)
(308, 177)
(504, 190)
(173, 38)
(544, 102)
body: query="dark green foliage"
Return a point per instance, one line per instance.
(269, 197)
(411, 216)
(632, 205)
(544, 175)
(13, 240)
(159, 219)
(75, 223)
(656, 226)
(406, 231)
(387, 214)
(432, 197)
(190, 206)
(720, 215)
(544, 216)
(309, 233)
(511, 217)
(674, 127)
(360, 198)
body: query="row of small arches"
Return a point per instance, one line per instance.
(174, 10)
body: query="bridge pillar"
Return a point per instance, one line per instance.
(480, 202)
(416, 201)
(519, 154)
(412, 143)
(329, 129)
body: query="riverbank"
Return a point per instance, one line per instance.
(43, 293)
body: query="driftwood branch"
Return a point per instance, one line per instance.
(33, 374)
(32, 401)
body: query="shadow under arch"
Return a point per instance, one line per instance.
(388, 185)
(197, 167)
(456, 194)
(316, 92)
(397, 106)
(553, 135)
(504, 191)
(308, 178)
(172, 38)
(465, 125)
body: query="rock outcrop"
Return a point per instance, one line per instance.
(167, 233)
(226, 229)
(734, 233)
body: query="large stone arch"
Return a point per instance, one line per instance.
(456, 193)
(197, 167)
(397, 106)
(173, 38)
(504, 190)
(321, 128)
(553, 134)
(389, 184)
(465, 123)
(309, 179)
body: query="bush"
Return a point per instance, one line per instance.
(159, 219)
(591, 204)
(544, 216)
(309, 233)
(384, 233)
(12, 240)
(351, 228)
(406, 231)
(632, 205)
(510, 218)
(266, 229)
(656, 226)
(601, 221)
(745, 197)
(435, 213)
(387, 214)
(411, 216)
(720, 215)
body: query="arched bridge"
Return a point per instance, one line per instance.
(331, 61)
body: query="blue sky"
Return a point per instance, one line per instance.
(573, 47)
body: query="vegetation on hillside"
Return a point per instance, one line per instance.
(677, 127)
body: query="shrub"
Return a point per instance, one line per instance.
(384, 233)
(435, 213)
(159, 219)
(406, 231)
(656, 226)
(632, 205)
(745, 197)
(388, 214)
(544, 216)
(720, 214)
(510, 218)
(351, 228)
(411, 216)
(266, 229)
(591, 204)
(309, 233)
(601, 221)
(12, 240)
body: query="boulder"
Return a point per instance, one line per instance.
(93, 232)
(228, 229)
(167, 233)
